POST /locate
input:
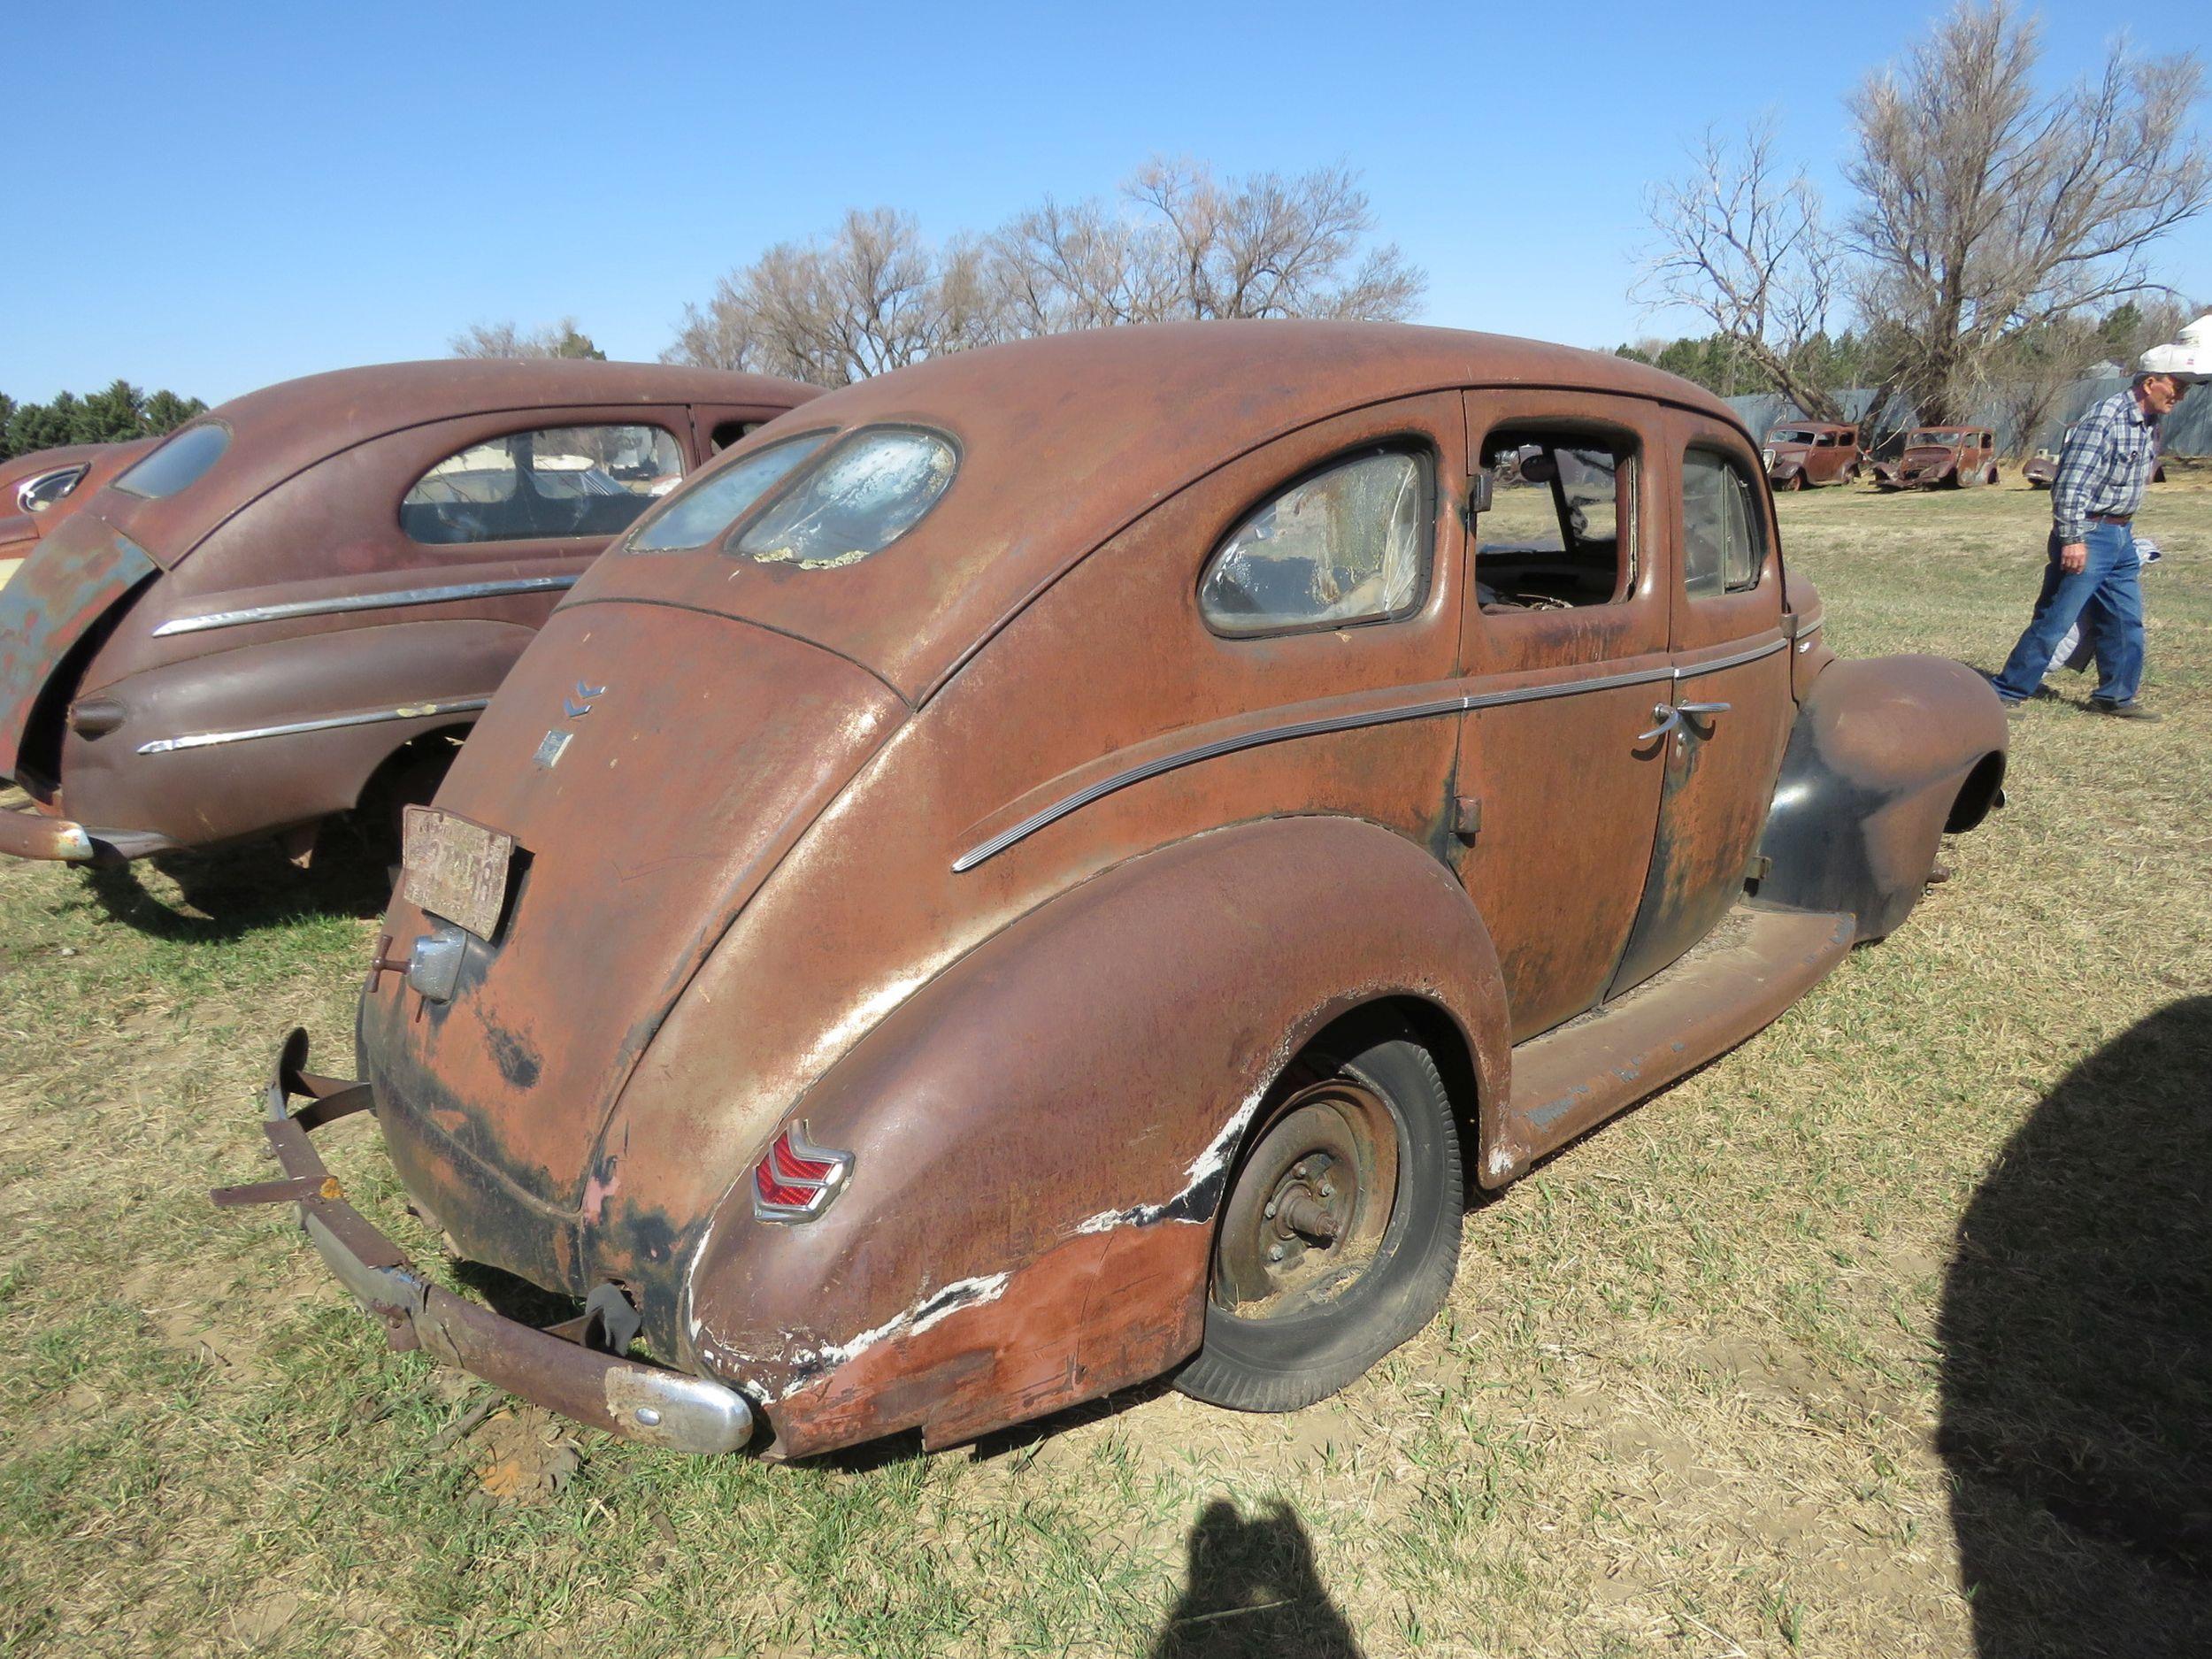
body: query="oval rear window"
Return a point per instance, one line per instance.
(181, 462)
(692, 517)
(870, 490)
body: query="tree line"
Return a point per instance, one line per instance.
(115, 415)
(1995, 243)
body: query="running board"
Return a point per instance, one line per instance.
(1750, 968)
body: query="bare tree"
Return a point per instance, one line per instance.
(1988, 210)
(875, 296)
(1742, 245)
(560, 339)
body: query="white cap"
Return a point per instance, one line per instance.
(2187, 359)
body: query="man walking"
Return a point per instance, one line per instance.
(2093, 567)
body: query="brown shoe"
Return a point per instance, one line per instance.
(2128, 711)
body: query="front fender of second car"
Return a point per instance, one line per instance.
(1042, 1134)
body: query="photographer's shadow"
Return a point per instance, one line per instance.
(1253, 1591)
(2076, 1337)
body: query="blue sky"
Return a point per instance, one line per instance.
(214, 198)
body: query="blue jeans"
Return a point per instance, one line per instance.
(2109, 589)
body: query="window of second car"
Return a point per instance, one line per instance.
(1345, 545)
(550, 482)
(183, 461)
(1721, 550)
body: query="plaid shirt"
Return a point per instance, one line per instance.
(2107, 462)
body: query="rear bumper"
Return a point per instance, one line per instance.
(34, 836)
(625, 1397)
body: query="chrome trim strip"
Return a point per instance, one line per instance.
(1737, 660)
(1326, 725)
(405, 711)
(1214, 750)
(392, 600)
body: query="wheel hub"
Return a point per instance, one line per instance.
(1310, 1202)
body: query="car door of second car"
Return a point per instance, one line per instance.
(1563, 655)
(1732, 707)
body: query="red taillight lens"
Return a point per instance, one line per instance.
(796, 1180)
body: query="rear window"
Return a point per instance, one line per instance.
(181, 462)
(699, 514)
(861, 496)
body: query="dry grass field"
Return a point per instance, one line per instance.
(1888, 1335)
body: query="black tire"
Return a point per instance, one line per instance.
(1306, 1341)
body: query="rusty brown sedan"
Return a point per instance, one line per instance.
(299, 602)
(1941, 457)
(40, 490)
(1066, 863)
(1810, 452)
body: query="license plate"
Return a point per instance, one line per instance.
(456, 870)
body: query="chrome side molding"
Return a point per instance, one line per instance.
(330, 723)
(397, 597)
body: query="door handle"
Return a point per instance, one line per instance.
(1704, 708)
(1668, 715)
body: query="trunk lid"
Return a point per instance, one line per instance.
(698, 749)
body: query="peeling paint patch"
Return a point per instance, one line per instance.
(1500, 1162)
(931, 1309)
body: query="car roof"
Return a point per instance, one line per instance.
(281, 430)
(1067, 439)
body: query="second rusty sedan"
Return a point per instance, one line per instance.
(1064, 862)
(300, 601)
(1941, 457)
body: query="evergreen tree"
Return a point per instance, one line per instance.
(166, 411)
(112, 416)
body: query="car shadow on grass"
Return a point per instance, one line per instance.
(2077, 1341)
(228, 893)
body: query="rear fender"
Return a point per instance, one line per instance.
(1882, 752)
(234, 770)
(1042, 1134)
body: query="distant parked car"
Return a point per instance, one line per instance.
(2041, 469)
(298, 601)
(1067, 862)
(1810, 452)
(40, 490)
(1941, 457)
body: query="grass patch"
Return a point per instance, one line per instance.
(1913, 1291)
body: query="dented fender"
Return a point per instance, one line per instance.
(1042, 1135)
(1886, 754)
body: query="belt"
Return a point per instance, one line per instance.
(2110, 518)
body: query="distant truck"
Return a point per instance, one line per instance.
(1941, 457)
(1811, 453)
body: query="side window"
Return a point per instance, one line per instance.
(729, 432)
(1721, 550)
(554, 481)
(1559, 531)
(1826, 441)
(1348, 544)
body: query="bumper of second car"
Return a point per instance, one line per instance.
(35, 835)
(625, 1397)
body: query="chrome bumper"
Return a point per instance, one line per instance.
(625, 1397)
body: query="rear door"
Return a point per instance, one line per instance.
(1730, 706)
(1564, 660)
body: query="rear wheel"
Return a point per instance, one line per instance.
(1338, 1235)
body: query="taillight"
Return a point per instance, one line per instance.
(796, 1180)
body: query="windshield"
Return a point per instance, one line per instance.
(1940, 437)
(178, 463)
(1790, 435)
